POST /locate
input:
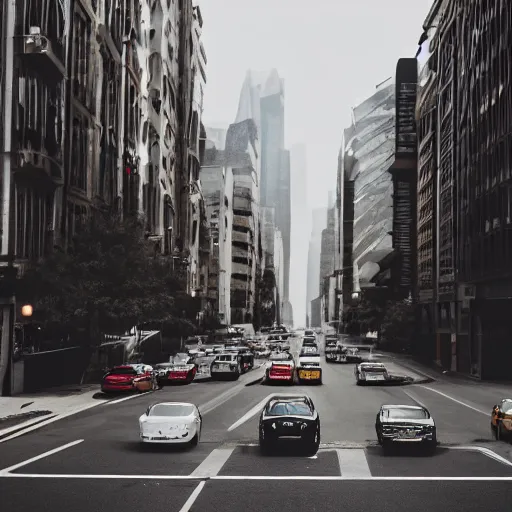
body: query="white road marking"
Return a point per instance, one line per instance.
(130, 397)
(193, 497)
(26, 424)
(48, 421)
(312, 478)
(353, 463)
(98, 477)
(213, 463)
(414, 399)
(457, 401)
(384, 478)
(484, 451)
(39, 457)
(221, 399)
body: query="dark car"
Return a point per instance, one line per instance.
(405, 424)
(289, 416)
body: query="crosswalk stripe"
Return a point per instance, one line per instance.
(213, 463)
(353, 463)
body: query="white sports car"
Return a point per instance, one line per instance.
(171, 422)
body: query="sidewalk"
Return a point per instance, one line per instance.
(25, 410)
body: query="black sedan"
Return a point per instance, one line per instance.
(289, 417)
(396, 424)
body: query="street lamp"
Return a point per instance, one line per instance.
(27, 310)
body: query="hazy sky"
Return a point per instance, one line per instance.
(331, 53)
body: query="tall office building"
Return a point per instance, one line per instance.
(319, 218)
(263, 92)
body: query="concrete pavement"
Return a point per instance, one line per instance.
(94, 461)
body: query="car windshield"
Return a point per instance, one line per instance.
(373, 369)
(404, 413)
(123, 371)
(281, 357)
(163, 366)
(225, 358)
(171, 410)
(281, 408)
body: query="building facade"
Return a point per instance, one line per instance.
(319, 223)
(101, 109)
(471, 281)
(364, 215)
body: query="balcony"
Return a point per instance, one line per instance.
(241, 221)
(242, 203)
(238, 285)
(240, 268)
(42, 54)
(240, 237)
(238, 252)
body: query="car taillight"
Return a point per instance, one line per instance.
(280, 367)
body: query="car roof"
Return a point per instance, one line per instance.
(412, 407)
(289, 398)
(173, 403)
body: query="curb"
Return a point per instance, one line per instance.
(426, 377)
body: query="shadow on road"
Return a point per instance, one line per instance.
(406, 450)
(282, 448)
(139, 447)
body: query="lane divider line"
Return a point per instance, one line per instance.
(415, 399)
(193, 497)
(456, 401)
(484, 451)
(98, 477)
(212, 465)
(41, 456)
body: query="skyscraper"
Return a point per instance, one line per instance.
(263, 97)
(315, 246)
(300, 224)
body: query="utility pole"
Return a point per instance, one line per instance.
(7, 270)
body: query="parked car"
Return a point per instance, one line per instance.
(289, 416)
(371, 373)
(227, 365)
(129, 377)
(172, 373)
(171, 422)
(405, 424)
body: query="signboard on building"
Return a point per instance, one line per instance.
(406, 92)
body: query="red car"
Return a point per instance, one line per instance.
(169, 373)
(129, 377)
(281, 367)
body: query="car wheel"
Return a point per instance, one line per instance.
(312, 444)
(194, 441)
(431, 446)
(379, 438)
(503, 433)
(494, 432)
(265, 444)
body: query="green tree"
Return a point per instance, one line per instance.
(109, 280)
(398, 325)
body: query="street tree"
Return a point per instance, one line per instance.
(109, 280)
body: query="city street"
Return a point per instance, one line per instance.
(94, 460)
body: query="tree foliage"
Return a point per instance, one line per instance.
(398, 324)
(109, 277)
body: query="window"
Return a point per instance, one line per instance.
(79, 153)
(290, 409)
(171, 410)
(34, 217)
(82, 89)
(403, 413)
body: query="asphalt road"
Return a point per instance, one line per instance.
(93, 461)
